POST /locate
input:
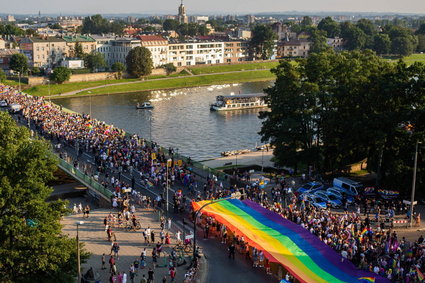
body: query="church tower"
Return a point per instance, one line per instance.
(182, 17)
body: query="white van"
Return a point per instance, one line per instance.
(350, 187)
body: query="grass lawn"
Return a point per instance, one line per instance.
(14, 83)
(188, 81)
(232, 68)
(43, 90)
(410, 59)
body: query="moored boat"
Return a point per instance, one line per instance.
(240, 101)
(144, 105)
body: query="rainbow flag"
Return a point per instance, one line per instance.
(367, 279)
(300, 252)
(421, 276)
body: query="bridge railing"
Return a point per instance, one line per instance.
(87, 180)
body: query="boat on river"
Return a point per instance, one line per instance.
(240, 101)
(144, 105)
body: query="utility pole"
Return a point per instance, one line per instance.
(415, 167)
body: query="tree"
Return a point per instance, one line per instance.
(324, 112)
(421, 43)
(382, 44)
(9, 29)
(61, 74)
(78, 50)
(119, 68)
(169, 68)
(318, 39)
(32, 246)
(19, 63)
(330, 26)
(354, 37)
(2, 76)
(139, 62)
(421, 29)
(96, 24)
(262, 42)
(306, 21)
(170, 24)
(94, 61)
(56, 26)
(403, 46)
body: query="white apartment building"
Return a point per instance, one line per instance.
(115, 49)
(158, 46)
(195, 53)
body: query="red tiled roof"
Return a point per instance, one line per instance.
(151, 38)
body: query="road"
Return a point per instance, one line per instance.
(220, 268)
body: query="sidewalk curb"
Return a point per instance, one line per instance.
(201, 276)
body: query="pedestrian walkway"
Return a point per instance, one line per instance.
(92, 233)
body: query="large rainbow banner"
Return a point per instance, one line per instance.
(282, 241)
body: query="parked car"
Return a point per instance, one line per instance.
(310, 187)
(332, 200)
(317, 202)
(339, 194)
(3, 103)
(350, 187)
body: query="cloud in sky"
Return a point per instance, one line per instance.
(199, 7)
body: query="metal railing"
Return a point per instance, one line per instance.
(86, 180)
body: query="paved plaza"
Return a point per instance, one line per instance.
(92, 233)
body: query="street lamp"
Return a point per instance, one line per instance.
(78, 252)
(90, 103)
(150, 126)
(169, 164)
(415, 167)
(234, 196)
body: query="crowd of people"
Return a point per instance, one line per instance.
(360, 236)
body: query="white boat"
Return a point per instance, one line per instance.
(144, 105)
(240, 101)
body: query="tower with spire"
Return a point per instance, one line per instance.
(182, 17)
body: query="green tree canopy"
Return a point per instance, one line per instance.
(9, 29)
(381, 43)
(78, 50)
(354, 37)
(96, 24)
(94, 61)
(38, 252)
(19, 63)
(262, 42)
(139, 62)
(330, 26)
(61, 74)
(333, 109)
(119, 68)
(170, 24)
(2, 76)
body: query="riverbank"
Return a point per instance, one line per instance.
(173, 83)
(259, 70)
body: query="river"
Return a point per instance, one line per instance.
(181, 118)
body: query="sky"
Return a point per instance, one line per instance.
(207, 7)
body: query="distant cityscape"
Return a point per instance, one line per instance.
(49, 41)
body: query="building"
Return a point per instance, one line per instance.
(182, 17)
(158, 46)
(244, 34)
(73, 63)
(235, 51)
(5, 55)
(115, 49)
(250, 19)
(293, 48)
(2, 43)
(336, 43)
(195, 53)
(87, 43)
(44, 52)
(10, 18)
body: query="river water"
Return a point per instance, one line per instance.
(181, 118)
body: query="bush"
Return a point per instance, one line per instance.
(61, 74)
(169, 68)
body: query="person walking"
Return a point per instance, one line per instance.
(231, 250)
(103, 262)
(152, 237)
(151, 274)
